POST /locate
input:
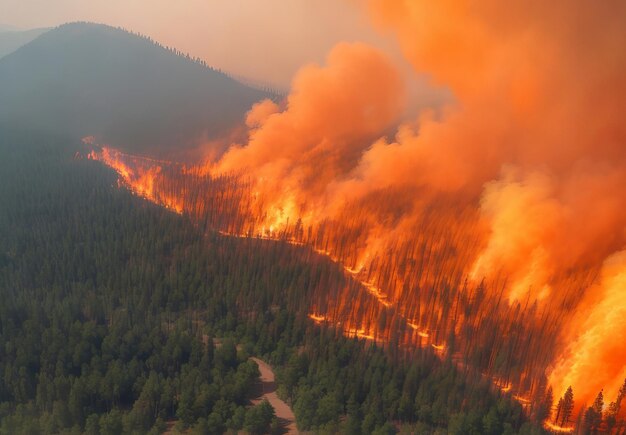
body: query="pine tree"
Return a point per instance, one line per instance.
(567, 406)
(614, 408)
(593, 415)
(559, 410)
(545, 406)
(598, 404)
(620, 396)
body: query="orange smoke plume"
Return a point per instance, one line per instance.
(541, 91)
(332, 114)
(495, 214)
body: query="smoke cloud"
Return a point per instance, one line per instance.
(331, 116)
(535, 138)
(541, 89)
(533, 145)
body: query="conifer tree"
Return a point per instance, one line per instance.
(567, 406)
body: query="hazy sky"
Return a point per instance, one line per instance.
(262, 39)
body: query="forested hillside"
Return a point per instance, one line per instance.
(90, 79)
(109, 306)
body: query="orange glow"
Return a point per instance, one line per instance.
(505, 387)
(558, 429)
(317, 318)
(139, 174)
(360, 333)
(552, 216)
(595, 338)
(522, 400)
(493, 216)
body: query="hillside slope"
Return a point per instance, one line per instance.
(88, 79)
(11, 40)
(108, 307)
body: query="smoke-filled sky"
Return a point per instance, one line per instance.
(264, 40)
(535, 137)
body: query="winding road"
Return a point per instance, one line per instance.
(268, 383)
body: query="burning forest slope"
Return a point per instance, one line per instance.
(503, 213)
(110, 303)
(93, 79)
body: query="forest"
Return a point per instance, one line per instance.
(412, 294)
(423, 235)
(111, 305)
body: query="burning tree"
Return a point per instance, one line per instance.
(593, 415)
(564, 408)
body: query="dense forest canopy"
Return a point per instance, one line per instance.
(109, 306)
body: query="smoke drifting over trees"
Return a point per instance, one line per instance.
(505, 211)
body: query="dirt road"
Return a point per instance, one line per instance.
(268, 383)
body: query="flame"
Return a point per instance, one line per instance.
(523, 400)
(504, 386)
(595, 338)
(495, 213)
(558, 429)
(317, 318)
(420, 333)
(552, 215)
(360, 333)
(139, 174)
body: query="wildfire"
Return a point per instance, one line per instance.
(317, 318)
(485, 216)
(174, 186)
(360, 333)
(377, 293)
(522, 400)
(416, 327)
(138, 174)
(558, 429)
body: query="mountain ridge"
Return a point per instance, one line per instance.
(93, 79)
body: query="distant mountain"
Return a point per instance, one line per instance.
(8, 28)
(11, 40)
(92, 79)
